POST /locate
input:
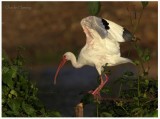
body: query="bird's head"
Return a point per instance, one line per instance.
(67, 56)
(94, 27)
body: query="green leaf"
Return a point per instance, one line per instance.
(9, 95)
(14, 104)
(136, 62)
(38, 104)
(54, 113)
(87, 99)
(5, 69)
(144, 4)
(120, 111)
(13, 92)
(146, 82)
(146, 55)
(136, 110)
(7, 79)
(155, 113)
(140, 52)
(28, 109)
(5, 90)
(105, 114)
(128, 73)
(19, 63)
(94, 7)
(42, 110)
(152, 114)
(135, 98)
(147, 58)
(105, 90)
(10, 113)
(145, 95)
(57, 114)
(14, 71)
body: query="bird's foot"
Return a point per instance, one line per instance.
(96, 94)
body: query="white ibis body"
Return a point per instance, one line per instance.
(102, 46)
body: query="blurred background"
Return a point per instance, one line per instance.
(49, 29)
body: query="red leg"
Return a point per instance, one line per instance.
(97, 90)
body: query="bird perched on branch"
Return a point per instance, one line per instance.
(102, 46)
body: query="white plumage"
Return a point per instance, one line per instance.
(102, 46)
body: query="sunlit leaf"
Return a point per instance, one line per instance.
(13, 71)
(94, 8)
(9, 95)
(145, 95)
(54, 114)
(14, 105)
(155, 113)
(13, 92)
(106, 114)
(136, 62)
(144, 4)
(28, 109)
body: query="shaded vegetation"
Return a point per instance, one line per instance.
(19, 95)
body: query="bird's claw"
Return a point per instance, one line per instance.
(96, 94)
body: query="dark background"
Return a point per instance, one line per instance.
(48, 29)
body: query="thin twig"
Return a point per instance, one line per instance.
(137, 25)
(97, 108)
(120, 88)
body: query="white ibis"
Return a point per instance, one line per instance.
(102, 46)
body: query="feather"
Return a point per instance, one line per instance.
(119, 33)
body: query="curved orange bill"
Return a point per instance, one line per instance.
(63, 61)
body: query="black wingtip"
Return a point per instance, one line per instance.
(128, 36)
(106, 24)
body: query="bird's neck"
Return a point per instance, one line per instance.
(75, 63)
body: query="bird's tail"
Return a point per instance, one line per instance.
(122, 60)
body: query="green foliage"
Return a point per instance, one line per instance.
(144, 4)
(143, 54)
(94, 8)
(138, 97)
(88, 98)
(19, 95)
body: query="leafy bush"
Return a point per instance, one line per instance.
(138, 94)
(19, 95)
(139, 99)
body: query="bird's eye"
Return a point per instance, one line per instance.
(64, 56)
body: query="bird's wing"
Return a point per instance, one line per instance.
(104, 35)
(117, 32)
(97, 29)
